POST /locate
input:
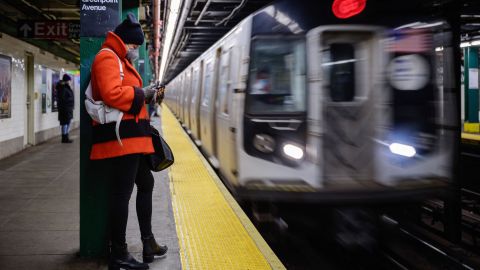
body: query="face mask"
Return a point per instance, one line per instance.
(132, 54)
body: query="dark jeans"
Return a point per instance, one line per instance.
(128, 170)
(65, 128)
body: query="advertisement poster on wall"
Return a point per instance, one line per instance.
(55, 79)
(43, 89)
(5, 86)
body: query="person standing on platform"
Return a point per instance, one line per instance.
(161, 94)
(125, 92)
(154, 105)
(65, 103)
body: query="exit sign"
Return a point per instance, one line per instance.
(48, 29)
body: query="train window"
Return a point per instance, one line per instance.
(225, 80)
(207, 84)
(277, 76)
(339, 65)
(187, 88)
(195, 84)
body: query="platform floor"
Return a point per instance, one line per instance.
(39, 212)
(194, 214)
(213, 231)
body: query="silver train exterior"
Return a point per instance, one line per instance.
(295, 104)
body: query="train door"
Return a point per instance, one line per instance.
(30, 102)
(188, 103)
(234, 103)
(344, 62)
(180, 95)
(177, 95)
(215, 107)
(171, 89)
(173, 95)
(186, 99)
(201, 90)
(206, 108)
(225, 134)
(194, 103)
(182, 98)
(178, 92)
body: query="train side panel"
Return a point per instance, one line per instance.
(194, 101)
(184, 91)
(276, 105)
(229, 80)
(189, 98)
(207, 105)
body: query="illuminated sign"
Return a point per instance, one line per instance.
(54, 29)
(347, 8)
(408, 72)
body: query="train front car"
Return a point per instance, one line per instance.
(347, 101)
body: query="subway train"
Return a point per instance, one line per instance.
(326, 101)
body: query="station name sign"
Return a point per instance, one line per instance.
(97, 17)
(97, 5)
(53, 29)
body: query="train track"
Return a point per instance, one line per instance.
(429, 229)
(399, 247)
(402, 245)
(470, 220)
(469, 160)
(416, 248)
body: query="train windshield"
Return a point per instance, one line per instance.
(277, 76)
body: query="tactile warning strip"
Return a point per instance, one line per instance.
(213, 231)
(469, 136)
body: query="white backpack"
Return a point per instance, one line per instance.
(99, 111)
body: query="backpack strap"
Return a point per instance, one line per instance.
(119, 61)
(88, 93)
(120, 115)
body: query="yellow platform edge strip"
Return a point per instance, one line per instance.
(471, 127)
(469, 136)
(261, 258)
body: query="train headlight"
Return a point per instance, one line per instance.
(402, 149)
(293, 151)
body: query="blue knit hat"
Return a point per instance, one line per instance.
(130, 30)
(66, 78)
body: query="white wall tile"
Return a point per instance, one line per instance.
(15, 126)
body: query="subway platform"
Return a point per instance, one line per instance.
(193, 214)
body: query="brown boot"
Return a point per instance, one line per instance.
(120, 258)
(152, 249)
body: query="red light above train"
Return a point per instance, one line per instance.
(344, 9)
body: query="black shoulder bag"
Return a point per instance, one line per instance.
(163, 156)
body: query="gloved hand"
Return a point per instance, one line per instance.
(160, 96)
(149, 92)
